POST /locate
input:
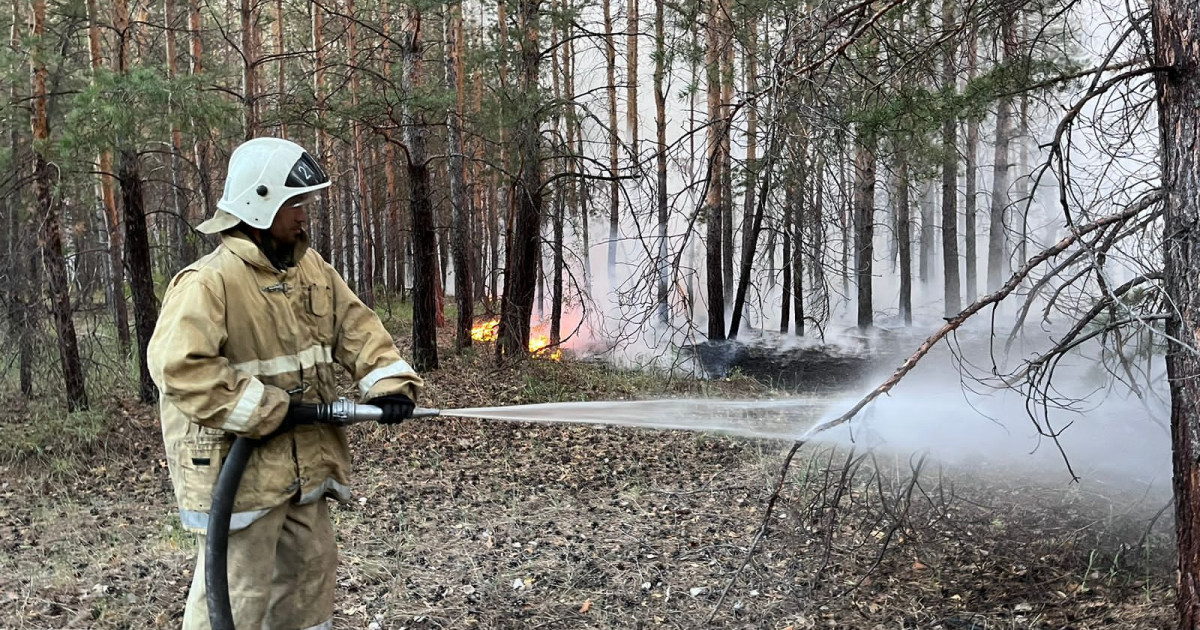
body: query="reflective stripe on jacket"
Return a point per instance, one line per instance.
(236, 340)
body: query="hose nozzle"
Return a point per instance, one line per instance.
(425, 412)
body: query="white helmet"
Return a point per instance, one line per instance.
(263, 174)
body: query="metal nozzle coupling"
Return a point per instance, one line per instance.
(425, 412)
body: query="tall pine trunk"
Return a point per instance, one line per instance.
(520, 280)
(998, 224)
(713, 241)
(249, 42)
(950, 275)
(904, 234)
(864, 226)
(22, 263)
(614, 186)
(108, 201)
(660, 162)
(137, 258)
(1179, 127)
(424, 234)
(325, 240)
(460, 241)
(364, 244)
(970, 174)
(137, 234)
(50, 236)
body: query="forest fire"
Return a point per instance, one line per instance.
(539, 338)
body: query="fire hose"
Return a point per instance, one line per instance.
(341, 412)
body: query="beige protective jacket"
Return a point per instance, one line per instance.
(236, 340)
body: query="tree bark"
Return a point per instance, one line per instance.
(424, 234)
(50, 237)
(864, 225)
(713, 242)
(22, 264)
(249, 44)
(280, 67)
(750, 247)
(926, 245)
(970, 170)
(785, 311)
(998, 224)
(364, 245)
(904, 235)
(137, 258)
(460, 242)
(181, 227)
(1175, 24)
(951, 280)
(520, 280)
(726, 179)
(324, 240)
(108, 202)
(614, 140)
(660, 159)
(749, 58)
(631, 73)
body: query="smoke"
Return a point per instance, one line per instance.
(1090, 428)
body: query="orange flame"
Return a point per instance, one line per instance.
(486, 330)
(539, 339)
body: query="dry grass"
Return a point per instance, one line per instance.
(465, 524)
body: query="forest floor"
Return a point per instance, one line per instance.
(474, 524)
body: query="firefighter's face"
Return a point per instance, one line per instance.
(291, 219)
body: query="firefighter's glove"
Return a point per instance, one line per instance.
(396, 408)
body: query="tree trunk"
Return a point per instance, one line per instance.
(584, 198)
(21, 263)
(1179, 126)
(424, 234)
(713, 241)
(364, 245)
(726, 179)
(325, 240)
(997, 230)
(460, 242)
(950, 173)
(785, 310)
(660, 158)
(249, 61)
(970, 168)
(181, 226)
(904, 235)
(281, 67)
(116, 288)
(798, 224)
(520, 280)
(864, 225)
(614, 186)
(750, 247)
(137, 258)
(50, 237)
(631, 73)
(926, 244)
(750, 60)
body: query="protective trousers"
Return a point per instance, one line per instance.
(282, 572)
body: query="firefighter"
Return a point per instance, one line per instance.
(246, 331)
